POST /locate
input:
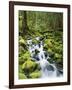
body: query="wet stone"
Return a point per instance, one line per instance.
(50, 68)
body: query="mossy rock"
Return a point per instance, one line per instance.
(46, 41)
(49, 43)
(58, 58)
(29, 66)
(34, 41)
(20, 69)
(21, 50)
(37, 33)
(45, 47)
(36, 74)
(50, 51)
(57, 55)
(21, 60)
(21, 40)
(22, 76)
(56, 43)
(24, 57)
(58, 49)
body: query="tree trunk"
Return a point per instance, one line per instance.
(25, 27)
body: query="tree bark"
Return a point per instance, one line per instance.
(25, 27)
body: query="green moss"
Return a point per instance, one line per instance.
(45, 47)
(56, 55)
(34, 41)
(24, 56)
(21, 50)
(36, 74)
(29, 66)
(22, 76)
(21, 40)
(37, 34)
(58, 49)
(50, 50)
(21, 60)
(20, 69)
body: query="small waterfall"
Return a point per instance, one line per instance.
(47, 69)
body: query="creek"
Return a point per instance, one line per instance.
(40, 56)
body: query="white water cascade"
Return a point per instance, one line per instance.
(47, 69)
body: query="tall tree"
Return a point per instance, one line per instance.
(24, 22)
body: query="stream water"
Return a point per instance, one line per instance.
(47, 69)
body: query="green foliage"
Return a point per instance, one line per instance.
(22, 76)
(26, 55)
(20, 69)
(35, 74)
(29, 65)
(21, 40)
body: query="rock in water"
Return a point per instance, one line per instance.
(50, 67)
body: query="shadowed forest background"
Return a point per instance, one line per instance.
(49, 27)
